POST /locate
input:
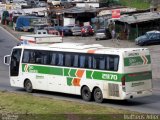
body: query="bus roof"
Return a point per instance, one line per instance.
(81, 47)
(75, 46)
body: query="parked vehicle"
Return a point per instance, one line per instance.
(70, 26)
(87, 30)
(23, 23)
(103, 33)
(67, 31)
(27, 23)
(150, 37)
(52, 30)
(41, 32)
(33, 3)
(40, 39)
(64, 31)
(21, 4)
(76, 31)
(39, 27)
(42, 4)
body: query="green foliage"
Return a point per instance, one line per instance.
(139, 4)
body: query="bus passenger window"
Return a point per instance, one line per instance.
(116, 61)
(90, 62)
(61, 59)
(54, 59)
(38, 57)
(46, 59)
(102, 63)
(32, 57)
(112, 63)
(26, 55)
(94, 63)
(68, 60)
(99, 62)
(75, 61)
(82, 61)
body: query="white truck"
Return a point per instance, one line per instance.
(40, 39)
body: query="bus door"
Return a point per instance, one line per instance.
(14, 65)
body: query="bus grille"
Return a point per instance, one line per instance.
(113, 89)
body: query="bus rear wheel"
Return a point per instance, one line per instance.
(28, 86)
(98, 96)
(86, 93)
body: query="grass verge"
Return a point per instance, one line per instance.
(139, 4)
(29, 107)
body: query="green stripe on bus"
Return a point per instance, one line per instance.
(73, 72)
(43, 69)
(138, 76)
(70, 72)
(66, 72)
(139, 60)
(56, 71)
(90, 74)
(69, 81)
(103, 76)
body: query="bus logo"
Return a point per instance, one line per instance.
(132, 60)
(29, 68)
(26, 68)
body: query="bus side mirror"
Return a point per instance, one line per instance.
(7, 59)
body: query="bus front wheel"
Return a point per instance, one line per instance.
(98, 96)
(28, 86)
(86, 93)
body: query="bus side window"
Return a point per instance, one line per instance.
(75, 60)
(38, 57)
(61, 59)
(95, 61)
(32, 57)
(116, 62)
(68, 60)
(46, 59)
(90, 61)
(112, 63)
(82, 61)
(26, 57)
(99, 62)
(102, 62)
(54, 59)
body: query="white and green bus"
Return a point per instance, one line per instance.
(86, 70)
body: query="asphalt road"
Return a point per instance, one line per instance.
(149, 104)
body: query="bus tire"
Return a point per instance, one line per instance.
(86, 94)
(98, 96)
(28, 86)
